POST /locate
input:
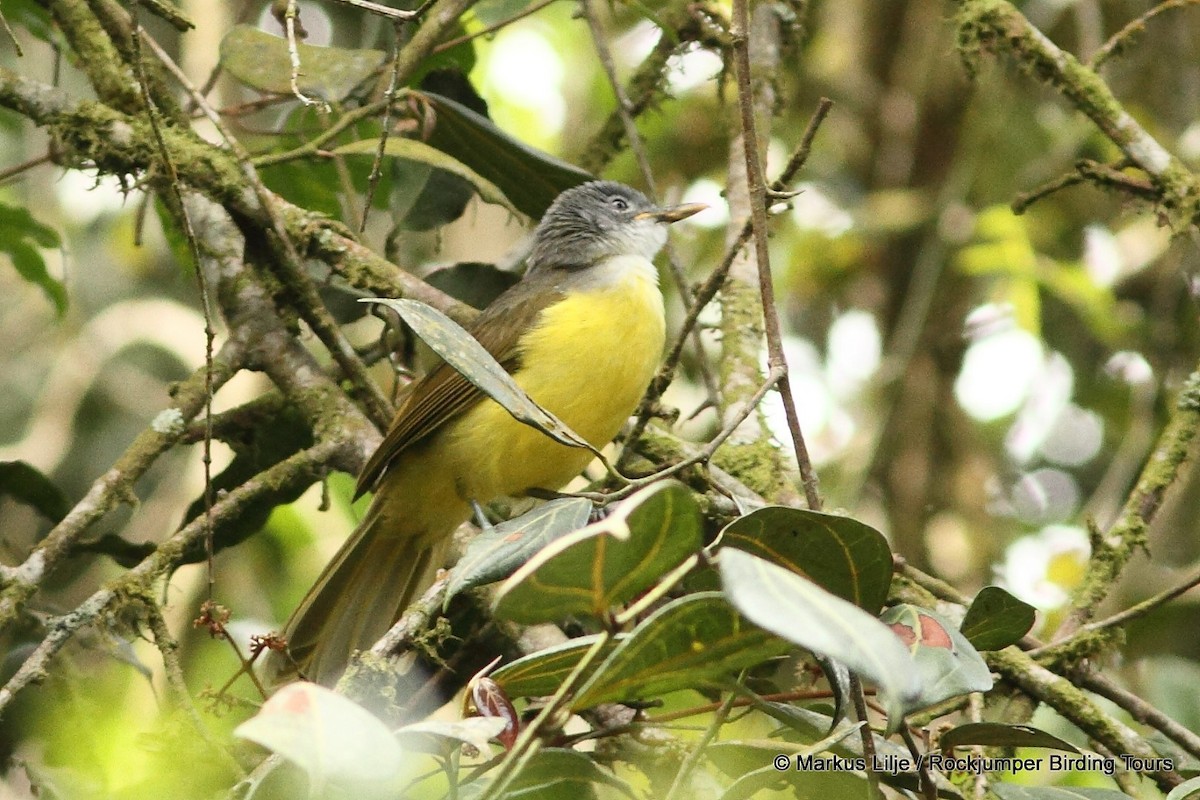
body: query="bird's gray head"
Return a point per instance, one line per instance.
(598, 220)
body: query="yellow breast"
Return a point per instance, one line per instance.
(588, 360)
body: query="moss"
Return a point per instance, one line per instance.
(755, 464)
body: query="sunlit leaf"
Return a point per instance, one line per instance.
(594, 570)
(461, 351)
(947, 663)
(996, 619)
(262, 61)
(802, 612)
(839, 554)
(685, 644)
(333, 739)
(996, 734)
(412, 150)
(541, 673)
(530, 178)
(497, 552)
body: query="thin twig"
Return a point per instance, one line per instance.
(758, 214)
(16, 44)
(297, 468)
(210, 334)
(693, 758)
(387, 11)
(928, 786)
(859, 699)
(290, 263)
(624, 111)
(716, 279)
(1118, 41)
(289, 24)
(385, 131)
(12, 172)
(530, 10)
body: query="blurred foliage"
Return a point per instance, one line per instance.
(897, 262)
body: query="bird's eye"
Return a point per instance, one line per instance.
(619, 203)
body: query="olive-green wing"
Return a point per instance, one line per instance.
(443, 394)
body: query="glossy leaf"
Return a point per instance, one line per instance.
(541, 673)
(498, 552)
(530, 178)
(839, 554)
(21, 236)
(333, 739)
(996, 734)
(412, 150)
(802, 612)
(996, 619)
(596, 569)
(688, 642)
(949, 666)
(461, 351)
(26, 484)
(262, 61)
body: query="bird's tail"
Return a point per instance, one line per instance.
(377, 573)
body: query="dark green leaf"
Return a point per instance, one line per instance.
(839, 554)
(1012, 791)
(948, 665)
(555, 773)
(996, 619)
(473, 282)
(461, 351)
(596, 569)
(26, 484)
(498, 552)
(529, 178)
(685, 644)
(262, 61)
(21, 236)
(802, 612)
(995, 734)
(442, 197)
(412, 150)
(541, 673)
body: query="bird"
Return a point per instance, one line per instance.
(582, 333)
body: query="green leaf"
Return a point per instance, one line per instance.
(26, 484)
(596, 569)
(1185, 790)
(685, 644)
(948, 665)
(412, 150)
(996, 619)
(995, 734)
(541, 673)
(802, 612)
(475, 283)
(21, 236)
(461, 351)
(839, 554)
(262, 61)
(530, 178)
(831, 785)
(1012, 791)
(337, 742)
(497, 552)
(556, 773)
